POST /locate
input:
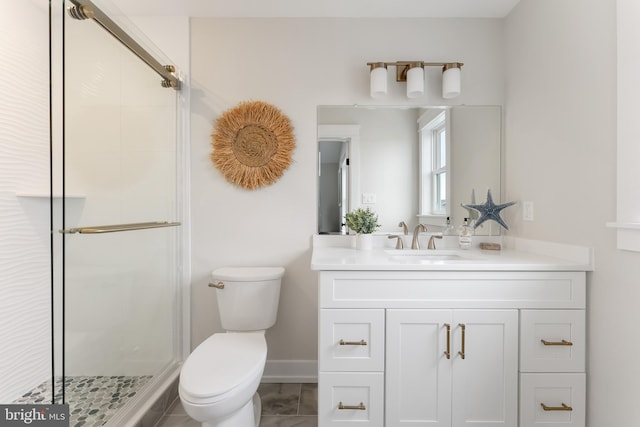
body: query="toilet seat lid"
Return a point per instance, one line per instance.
(222, 362)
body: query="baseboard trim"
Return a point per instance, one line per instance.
(290, 371)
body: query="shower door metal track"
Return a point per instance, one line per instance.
(100, 229)
(85, 9)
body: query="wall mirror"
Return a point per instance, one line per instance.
(411, 164)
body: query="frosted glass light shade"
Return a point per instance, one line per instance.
(415, 82)
(378, 82)
(451, 82)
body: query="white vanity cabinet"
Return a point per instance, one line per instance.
(451, 367)
(451, 348)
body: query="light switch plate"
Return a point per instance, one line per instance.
(369, 198)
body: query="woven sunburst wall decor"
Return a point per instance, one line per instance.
(252, 144)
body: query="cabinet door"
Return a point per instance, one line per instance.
(485, 368)
(418, 372)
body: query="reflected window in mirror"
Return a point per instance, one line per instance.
(433, 165)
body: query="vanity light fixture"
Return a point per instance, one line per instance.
(415, 80)
(412, 72)
(451, 80)
(378, 79)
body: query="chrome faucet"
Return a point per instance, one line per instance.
(416, 233)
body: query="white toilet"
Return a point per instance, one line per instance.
(220, 378)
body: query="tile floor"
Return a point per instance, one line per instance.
(283, 405)
(92, 399)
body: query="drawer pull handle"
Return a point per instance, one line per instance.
(563, 342)
(361, 342)
(564, 407)
(359, 407)
(461, 353)
(448, 352)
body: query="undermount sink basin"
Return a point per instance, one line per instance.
(416, 255)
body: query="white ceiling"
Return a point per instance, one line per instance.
(320, 8)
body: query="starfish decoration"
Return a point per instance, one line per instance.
(490, 211)
(471, 214)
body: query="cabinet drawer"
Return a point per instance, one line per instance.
(351, 340)
(460, 289)
(562, 394)
(552, 341)
(351, 398)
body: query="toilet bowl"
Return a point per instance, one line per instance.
(221, 377)
(219, 380)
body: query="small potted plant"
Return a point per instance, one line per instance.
(363, 222)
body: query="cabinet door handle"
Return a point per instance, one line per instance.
(359, 407)
(361, 342)
(448, 352)
(564, 407)
(461, 352)
(563, 342)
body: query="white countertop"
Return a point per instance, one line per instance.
(513, 258)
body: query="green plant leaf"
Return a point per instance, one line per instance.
(362, 221)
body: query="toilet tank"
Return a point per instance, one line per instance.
(250, 296)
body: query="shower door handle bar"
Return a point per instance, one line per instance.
(100, 229)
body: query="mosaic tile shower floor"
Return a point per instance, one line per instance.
(92, 400)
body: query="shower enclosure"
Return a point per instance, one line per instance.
(109, 214)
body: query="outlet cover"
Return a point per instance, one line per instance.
(527, 211)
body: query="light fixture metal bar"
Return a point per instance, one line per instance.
(424, 63)
(89, 10)
(403, 66)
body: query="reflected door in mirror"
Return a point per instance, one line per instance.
(333, 178)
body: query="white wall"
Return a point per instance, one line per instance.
(25, 293)
(628, 67)
(560, 110)
(296, 65)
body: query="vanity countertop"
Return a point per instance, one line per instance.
(524, 256)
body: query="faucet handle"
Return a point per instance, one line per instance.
(432, 243)
(399, 244)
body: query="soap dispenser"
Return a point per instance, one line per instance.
(449, 230)
(465, 235)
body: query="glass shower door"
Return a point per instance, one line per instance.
(121, 232)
